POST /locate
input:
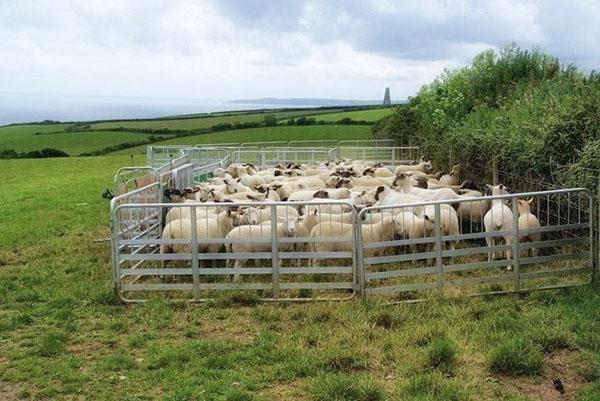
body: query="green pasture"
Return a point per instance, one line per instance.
(358, 115)
(64, 335)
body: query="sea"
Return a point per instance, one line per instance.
(21, 108)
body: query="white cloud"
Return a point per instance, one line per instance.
(232, 49)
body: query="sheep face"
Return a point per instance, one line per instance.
(290, 227)
(499, 189)
(427, 166)
(249, 216)
(524, 206)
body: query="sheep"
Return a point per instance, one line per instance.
(385, 230)
(308, 195)
(305, 225)
(282, 212)
(449, 224)
(287, 228)
(528, 221)
(378, 172)
(451, 178)
(385, 196)
(472, 212)
(206, 228)
(423, 166)
(498, 218)
(406, 186)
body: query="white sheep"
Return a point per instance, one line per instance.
(498, 218)
(423, 166)
(287, 228)
(206, 228)
(528, 221)
(472, 212)
(384, 230)
(451, 178)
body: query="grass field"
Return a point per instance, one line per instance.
(279, 133)
(74, 143)
(64, 336)
(203, 122)
(359, 115)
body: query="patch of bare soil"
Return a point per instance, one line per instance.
(558, 365)
(9, 391)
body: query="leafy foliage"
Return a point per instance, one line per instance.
(538, 119)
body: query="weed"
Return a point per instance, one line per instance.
(516, 357)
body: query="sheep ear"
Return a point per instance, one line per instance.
(530, 201)
(229, 212)
(426, 217)
(251, 197)
(488, 186)
(316, 211)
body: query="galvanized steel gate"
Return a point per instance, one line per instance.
(406, 267)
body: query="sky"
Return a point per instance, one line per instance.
(228, 49)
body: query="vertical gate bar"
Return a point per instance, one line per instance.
(516, 245)
(438, 250)
(274, 251)
(195, 269)
(361, 274)
(115, 250)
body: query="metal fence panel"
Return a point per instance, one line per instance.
(206, 250)
(441, 247)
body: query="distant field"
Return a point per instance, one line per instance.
(280, 133)
(359, 115)
(23, 138)
(202, 122)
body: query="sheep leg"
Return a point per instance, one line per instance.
(239, 263)
(509, 255)
(490, 242)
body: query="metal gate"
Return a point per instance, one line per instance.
(444, 250)
(172, 254)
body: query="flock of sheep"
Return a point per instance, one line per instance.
(304, 188)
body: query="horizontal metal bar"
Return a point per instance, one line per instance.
(332, 285)
(157, 287)
(475, 250)
(555, 258)
(399, 273)
(478, 265)
(235, 286)
(400, 288)
(402, 242)
(315, 255)
(156, 272)
(317, 270)
(553, 243)
(555, 273)
(479, 280)
(399, 258)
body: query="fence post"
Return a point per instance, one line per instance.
(274, 251)
(438, 250)
(195, 263)
(516, 247)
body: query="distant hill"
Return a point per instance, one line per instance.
(311, 101)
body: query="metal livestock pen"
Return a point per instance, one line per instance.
(345, 260)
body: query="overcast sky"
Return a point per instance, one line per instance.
(286, 48)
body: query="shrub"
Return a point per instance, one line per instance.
(516, 357)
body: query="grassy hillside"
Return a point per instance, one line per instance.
(63, 336)
(202, 122)
(23, 138)
(279, 133)
(359, 115)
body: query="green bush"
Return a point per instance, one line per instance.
(516, 357)
(518, 107)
